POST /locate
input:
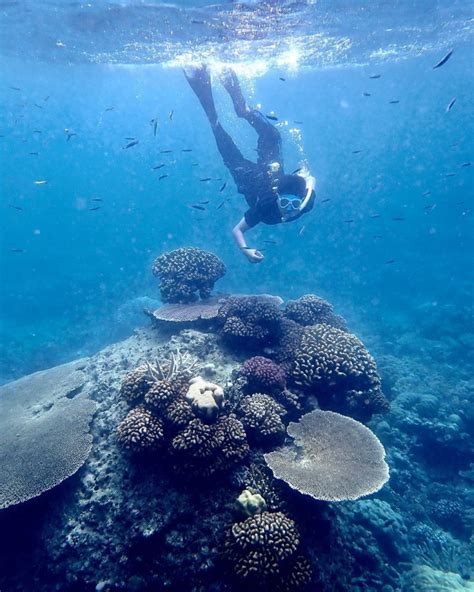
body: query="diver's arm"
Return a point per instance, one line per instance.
(238, 231)
(310, 185)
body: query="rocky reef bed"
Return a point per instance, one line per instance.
(218, 458)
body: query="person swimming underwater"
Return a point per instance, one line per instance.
(273, 197)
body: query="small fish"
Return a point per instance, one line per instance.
(15, 88)
(374, 216)
(194, 164)
(33, 153)
(282, 79)
(39, 106)
(130, 138)
(40, 182)
(458, 203)
(366, 94)
(398, 219)
(187, 150)
(37, 132)
(430, 207)
(389, 261)
(220, 205)
(298, 122)
(166, 151)
(206, 179)
(325, 200)
(171, 115)
(15, 207)
(109, 109)
(454, 144)
(450, 174)
(451, 104)
(17, 250)
(375, 76)
(356, 151)
(162, 177)
(394, 102)
(426, 193)
(349, 221)
(46, 98)
(465, 164)
(270, 242)
(130, 144)
(204, 203)
(223, 186)
(444, 60)
(297, 171)
(377, 236)
(301, 230)
(272, 117)
(197, 22)
(158, 166)
(197, 207)
(154, 123)
(69, 134)
(94, 209)
(97, 199)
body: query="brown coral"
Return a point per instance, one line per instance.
(339, 369)
(261, 417)
(313, 310)
(140, 430)
(136, 384)
(262, 551)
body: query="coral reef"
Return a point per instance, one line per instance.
(312, 310)
(263, 551)
(262, 374)
(249, 322)
(136, 384)
(340, 370)
(334, 458)
(261, 417)
(187, 272)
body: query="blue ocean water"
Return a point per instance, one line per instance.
(389, 243)
(78, 267)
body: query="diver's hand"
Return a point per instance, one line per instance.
(253, 255)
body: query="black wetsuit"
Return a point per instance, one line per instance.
(255, 181)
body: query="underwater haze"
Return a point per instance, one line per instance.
(105, 152)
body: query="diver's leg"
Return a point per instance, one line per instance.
(200, 81)
(269, 139)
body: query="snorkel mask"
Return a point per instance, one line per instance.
(291, 206)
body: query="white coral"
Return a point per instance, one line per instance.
(205, 398)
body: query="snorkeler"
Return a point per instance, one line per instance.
(272, 196)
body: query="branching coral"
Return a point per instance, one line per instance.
(263, 551)
(312, 310)
(262, 374)
(261, 417)
(140, 430)
(185, 272)
(336, 365)
(249, 321)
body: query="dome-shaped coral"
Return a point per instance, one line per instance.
(249, 321)
(312, 310)
(161, 394)
(262, 551)
(262, 374)
(261, 417)
(140, 430)
(136, 384)
(339, 369)
(185, 272)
